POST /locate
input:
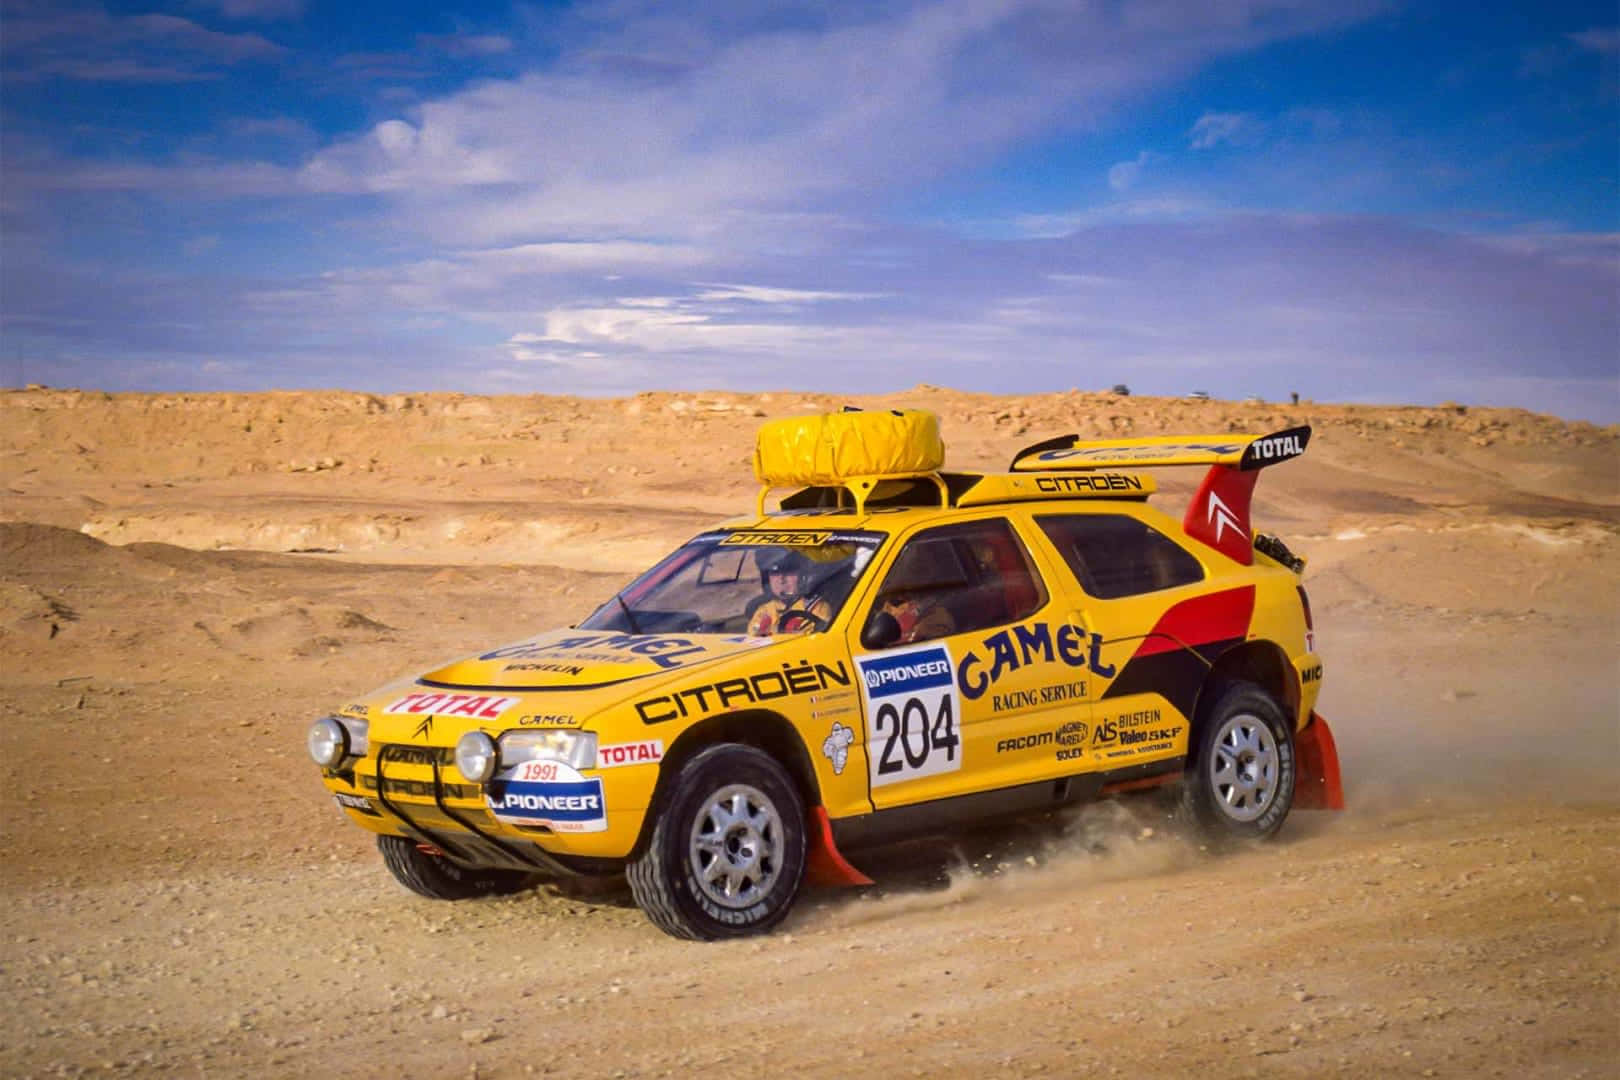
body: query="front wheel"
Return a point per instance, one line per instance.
(727, 852)
(437, 878)
(1240, 778)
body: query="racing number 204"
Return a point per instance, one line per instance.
(909, 732)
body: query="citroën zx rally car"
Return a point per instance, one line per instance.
(893, 650)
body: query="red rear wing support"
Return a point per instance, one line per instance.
(1219, 513)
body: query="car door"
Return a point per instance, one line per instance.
(1145, 599)
(953, 701)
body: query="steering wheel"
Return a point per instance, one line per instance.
(794, 619)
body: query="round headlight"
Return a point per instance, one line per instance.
(328, 742)
(475, 756)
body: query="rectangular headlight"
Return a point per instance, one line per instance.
(575, 748)
(359, 733)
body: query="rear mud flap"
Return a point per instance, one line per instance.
(825, 865)
(1318, 786)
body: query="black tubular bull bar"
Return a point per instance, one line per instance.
(470, 852)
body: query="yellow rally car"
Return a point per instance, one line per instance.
(895, 650)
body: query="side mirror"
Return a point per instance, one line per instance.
(882, 630)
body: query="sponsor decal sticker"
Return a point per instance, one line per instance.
(646, 752)
(438, 703)
(836, 746)
(1006, 651)
(549, 793)
(1140, 453)
(609, 648)
(1274, 448)
(548, 720)
(791, 680)
(1311, 674)
(911, 714)
(1221, 516)
(1133, 733)
(1038, 697)
(1025, 742)
(1085, 483)
(1072, 734)
(1072, 738)
(777, 539)
(417, 755)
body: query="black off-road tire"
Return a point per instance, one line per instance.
(1241, 772)
(732, 813)
(437, 878)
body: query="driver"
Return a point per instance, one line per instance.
(786, 606)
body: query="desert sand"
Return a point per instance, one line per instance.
(186, 581)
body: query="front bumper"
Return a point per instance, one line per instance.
(416, 791)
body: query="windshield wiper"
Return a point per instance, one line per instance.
(629, 616)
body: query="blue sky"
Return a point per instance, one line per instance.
(1356, 200)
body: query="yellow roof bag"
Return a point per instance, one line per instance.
(828, 448)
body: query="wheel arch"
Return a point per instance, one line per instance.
(1261, 662)
(762, 729)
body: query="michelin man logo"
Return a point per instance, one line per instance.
(836, 746)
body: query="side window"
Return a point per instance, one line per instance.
(1113, 555)
(954, 579)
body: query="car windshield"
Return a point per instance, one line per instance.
(743, 581)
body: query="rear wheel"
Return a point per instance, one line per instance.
(1240, 778)
(727, 852)
(437, 878)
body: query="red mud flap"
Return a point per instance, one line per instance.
(824, 865)
(1317, 786)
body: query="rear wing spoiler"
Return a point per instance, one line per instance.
(1219, 513)
(1243, 452)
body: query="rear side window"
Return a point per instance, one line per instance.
(1113, 555)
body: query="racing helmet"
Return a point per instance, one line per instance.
(784, 562)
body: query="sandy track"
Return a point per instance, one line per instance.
(180, 897)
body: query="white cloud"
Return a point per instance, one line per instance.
(257, 9)
(761, 294)
(1605, 39)
(699, 199)
(668, 126)
(89, 44)
(467, 46)
(583, 255)
(663, 330)
(396, 138)
(1159, 208)
(1124, 176)
(194, 179)
(639, 326)
(1234, 129)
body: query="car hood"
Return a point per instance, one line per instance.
(584, 660)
